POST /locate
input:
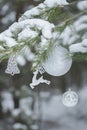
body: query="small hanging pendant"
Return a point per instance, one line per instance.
(12, 67)
(70, 98)
(41, 70)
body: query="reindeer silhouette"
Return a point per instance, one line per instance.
(36, 81)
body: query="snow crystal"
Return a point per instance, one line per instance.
(31, 12)
(53, 3)
(81, 20)
(41, 7)
(9, 41)
(82, 26)
(7, 33)
(84, 36)
(44, 42)
(6, 37)
(70, 35)
(43, 25)
(84, 42)
(72, 39)
(26, 34)
(79, 47)
(66, 34)
(24, 31)
(14, 28)
(47, 30)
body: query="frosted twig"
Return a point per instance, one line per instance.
(36, 81)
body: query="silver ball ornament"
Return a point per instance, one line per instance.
(58, 62)
(70, 98)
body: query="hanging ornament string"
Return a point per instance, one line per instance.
(12, 67)
(70, 98)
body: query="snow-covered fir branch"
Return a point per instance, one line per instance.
(42, 8)
(35, 30)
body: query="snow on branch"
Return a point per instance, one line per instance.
(37, 32)
(42, 8)
(79, 47)
(23, 30)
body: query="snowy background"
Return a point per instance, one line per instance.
(40, 109)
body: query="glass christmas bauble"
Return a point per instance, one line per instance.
(58, 62)
(70, 98)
